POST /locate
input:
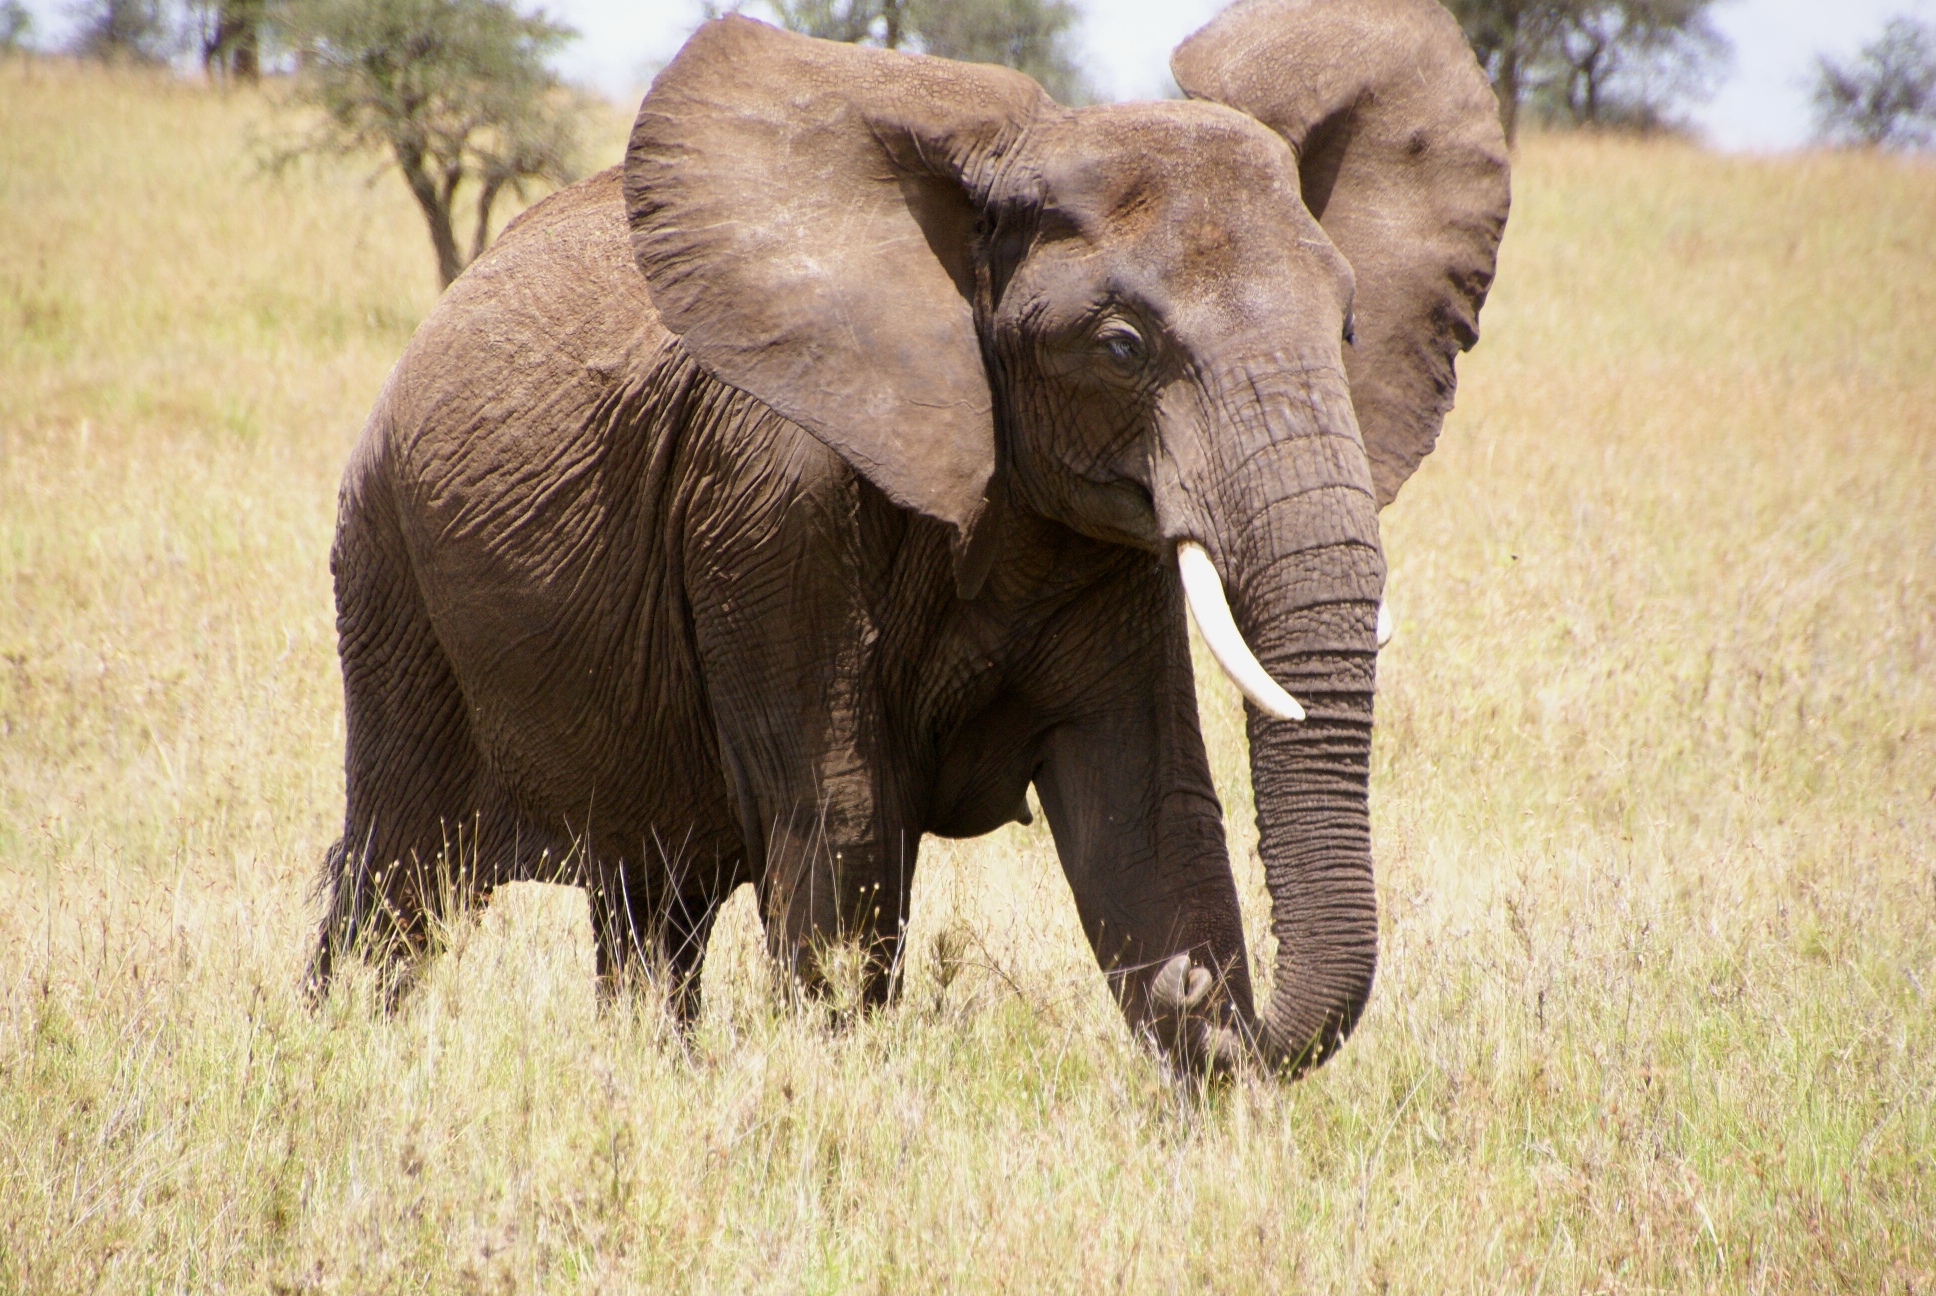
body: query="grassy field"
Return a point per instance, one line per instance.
(1654, 802)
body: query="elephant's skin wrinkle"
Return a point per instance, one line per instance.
(812, 484)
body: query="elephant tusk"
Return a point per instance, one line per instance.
(1385, 626)
(1203, 591)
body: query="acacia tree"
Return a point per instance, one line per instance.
(122, 31)
(231, 37)
(1627, 62)
(455, 91)
(16, 27)
(858, 22)
(1886, 97)
(1593, 62)
(1510, 38)
(1032, 36)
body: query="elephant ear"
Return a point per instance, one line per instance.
(805, 215)
(1402, 162)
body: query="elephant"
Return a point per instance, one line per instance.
(842, 464)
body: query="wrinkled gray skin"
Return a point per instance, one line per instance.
(813, 483)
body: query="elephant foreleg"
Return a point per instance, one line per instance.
(834, 902)
(414, 832)
(1137, 825)
(780, 596)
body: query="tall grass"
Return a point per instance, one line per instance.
(1654, 804)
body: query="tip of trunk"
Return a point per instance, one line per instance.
(1314, 834)
(1302, 1029)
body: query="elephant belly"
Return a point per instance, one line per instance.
(983, 778)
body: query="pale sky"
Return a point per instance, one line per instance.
(1761, 104)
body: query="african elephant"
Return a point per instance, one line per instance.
(843, 463)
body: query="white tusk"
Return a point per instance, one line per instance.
(1385, 626)
(1203, 590)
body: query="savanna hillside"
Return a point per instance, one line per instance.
(1654, 799)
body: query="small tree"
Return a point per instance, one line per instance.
(1593, 62)
(1510, 38)
(231, 37)
(1031, 36)
(1886, 97)
(122, 31)
(456, 91)
(16, 27)
(1628, 62)
(871, 22)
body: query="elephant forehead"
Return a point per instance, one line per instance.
(1197, 198)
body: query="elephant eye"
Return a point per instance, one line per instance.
(1123, 345)
(1350, 330)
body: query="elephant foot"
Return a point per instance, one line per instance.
(1200, 1037)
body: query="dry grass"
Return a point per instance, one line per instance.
(1655, 800)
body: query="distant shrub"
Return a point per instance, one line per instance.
(1885, 96)
(1032, 36)
(456, 92)
(123, 31)
(16, 27)
(1625, 64)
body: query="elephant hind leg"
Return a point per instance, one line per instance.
(388, 911)
(418, 827)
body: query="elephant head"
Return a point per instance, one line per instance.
(1221, 328)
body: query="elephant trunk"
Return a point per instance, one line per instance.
(1293, 529)
(1314, 836)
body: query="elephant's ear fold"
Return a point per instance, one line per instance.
(805, 215)
(1404, 165)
